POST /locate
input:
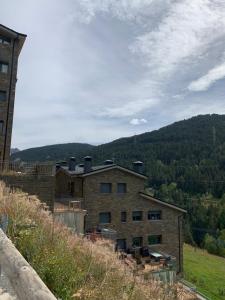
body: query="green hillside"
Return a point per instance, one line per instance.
(205, 271)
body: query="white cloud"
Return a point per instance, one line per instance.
(138, 121)
(184, 33)
(130, 109)
(206, 81)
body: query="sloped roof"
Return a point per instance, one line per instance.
(148, 197)
(79, 171)
(13, 34)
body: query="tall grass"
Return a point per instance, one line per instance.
(73, 267)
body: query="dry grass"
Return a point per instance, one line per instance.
(72, 267)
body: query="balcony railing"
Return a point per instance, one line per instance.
(17, 168)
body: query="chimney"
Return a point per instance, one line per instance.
(138, 167)
(72, 164)
(108, 162)
(87, 164)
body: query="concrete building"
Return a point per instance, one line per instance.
(11, 43)
(115, 198)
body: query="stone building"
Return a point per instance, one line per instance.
(115, 198)
(11, 43)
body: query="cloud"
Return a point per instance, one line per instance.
(138, 121)
(183, 34)
(206, 81)
(130, 109)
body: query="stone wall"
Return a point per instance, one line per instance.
(42, 186)
(96, 202)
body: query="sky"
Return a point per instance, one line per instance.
(92, 71)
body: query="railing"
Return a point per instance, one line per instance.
(24, 280)
(44, 169)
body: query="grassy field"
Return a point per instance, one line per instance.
(205, 271)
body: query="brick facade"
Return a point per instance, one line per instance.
(11, 43)
(169, 227)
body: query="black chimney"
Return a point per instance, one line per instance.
(72, 164)
(138, 167)
(87, 164)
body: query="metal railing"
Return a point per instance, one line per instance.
(44, 169)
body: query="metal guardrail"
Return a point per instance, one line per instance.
(44, 169)
(24, 280)
(193, 288)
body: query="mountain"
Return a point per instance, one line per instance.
(190, 152)
(14, 150)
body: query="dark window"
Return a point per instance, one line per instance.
(4, 67)
(1, 127)
(137, 215)
(121, 244)
(2, 96)
(105, 218)
(154, 239)
(123, 216)
(137, 241)
(5, 40)
(106, 187)
(121, 188)
(154, 215)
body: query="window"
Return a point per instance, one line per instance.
(1, 127)
(154, 215)
(2, 96)
(121, 188)
(4, 67)
(5, 40)
(121, 244)
(105, 218)
(106, 188)
(137, 241)
(154, 239)
(123, 216)
(137, 215)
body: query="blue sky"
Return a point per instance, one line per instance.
(96, 70)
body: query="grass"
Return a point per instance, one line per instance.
(73, 267)
(205, 271)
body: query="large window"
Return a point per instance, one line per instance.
(154, 215)
(1, 127)
(137, 215)
(2, 96)
(121, 188)
(154, 239)
(123, 216)
(5, 40)
(137, 241)
(106, 188)
(4, 67)
(105, 218)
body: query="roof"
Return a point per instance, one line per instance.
(13, 34)
(79, 171)
(173, 206)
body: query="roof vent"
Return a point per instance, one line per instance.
(138, 167)
(108, 162)
(72, 164)
(87, 164)
(81, 165)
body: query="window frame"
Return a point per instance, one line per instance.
(4, 40)
(155, 212)
(157, 236)
(110, 217)
(124, 191)
(141, 241)
(141, 214)
(105, 192)
(2, 63)
(123, 216)
(5, 94)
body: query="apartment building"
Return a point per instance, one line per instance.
(115, 198)
(11, 43)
